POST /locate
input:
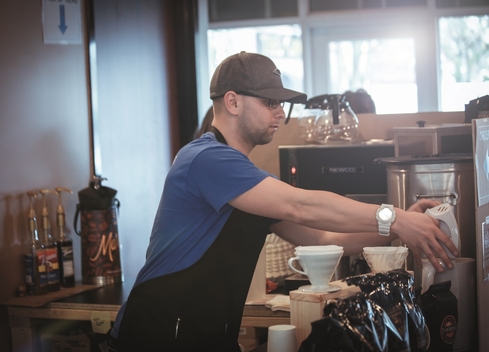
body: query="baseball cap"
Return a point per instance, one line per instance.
(252, 74)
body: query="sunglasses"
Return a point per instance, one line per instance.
(272, 103)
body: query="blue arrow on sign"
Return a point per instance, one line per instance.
(62, 25)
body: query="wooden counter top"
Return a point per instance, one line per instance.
(78, 304)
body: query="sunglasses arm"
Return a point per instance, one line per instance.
(290, 113)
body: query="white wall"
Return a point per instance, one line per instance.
(44, 124)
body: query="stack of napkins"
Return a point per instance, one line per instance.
(279, 302)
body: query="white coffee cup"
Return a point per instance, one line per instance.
(282, 338)
(319, 265)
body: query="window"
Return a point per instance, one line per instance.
(367, 56)
(410, 55)
(385, 68)
(280, 43)
(464, 60)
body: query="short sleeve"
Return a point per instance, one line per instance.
(220, 174)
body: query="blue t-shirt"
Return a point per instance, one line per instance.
(204, 177)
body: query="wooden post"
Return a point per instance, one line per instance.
(306, 307)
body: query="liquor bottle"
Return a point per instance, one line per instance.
(65, 245)
(50, 248)
(34, 268)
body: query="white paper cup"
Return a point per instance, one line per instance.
(282, 338)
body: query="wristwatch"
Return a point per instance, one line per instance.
(385, 217)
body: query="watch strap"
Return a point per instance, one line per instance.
(384, 225)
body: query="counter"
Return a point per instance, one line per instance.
(78, 303)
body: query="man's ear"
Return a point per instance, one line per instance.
(231, 102)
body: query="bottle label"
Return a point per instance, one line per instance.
(29, 269)
(41, 267)
(67, 260)
(52, 265)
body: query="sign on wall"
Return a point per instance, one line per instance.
(61, 21)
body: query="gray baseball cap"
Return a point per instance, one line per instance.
(252, 74)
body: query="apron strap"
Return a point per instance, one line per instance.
(220, 138)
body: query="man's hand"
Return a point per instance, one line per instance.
(423, 204)
(421, 233)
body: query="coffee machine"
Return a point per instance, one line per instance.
(347, 169)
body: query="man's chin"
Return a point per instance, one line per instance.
(266, 140)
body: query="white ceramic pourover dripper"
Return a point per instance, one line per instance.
(385, 258)
(319, 264)
(448, 224)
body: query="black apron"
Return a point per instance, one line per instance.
(198, 308)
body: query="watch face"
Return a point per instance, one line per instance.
(385, 214)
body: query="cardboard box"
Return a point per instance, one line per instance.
(249, 344)
(250, 332)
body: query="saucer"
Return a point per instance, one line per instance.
(319, 289)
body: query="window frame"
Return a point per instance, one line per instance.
(422, 22)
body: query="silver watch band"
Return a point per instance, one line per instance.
(384, 229)
(385, 217)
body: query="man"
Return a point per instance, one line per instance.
(217, 209)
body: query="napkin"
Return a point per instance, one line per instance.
(279, 302)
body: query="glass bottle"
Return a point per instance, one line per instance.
(64, 245)
(34, 260)
(50, 247)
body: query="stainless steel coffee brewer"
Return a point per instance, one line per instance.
(449, 179)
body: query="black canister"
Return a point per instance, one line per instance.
(101, 258)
